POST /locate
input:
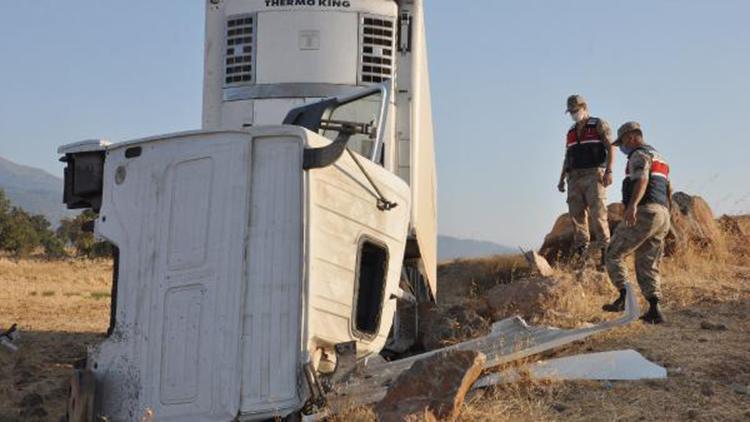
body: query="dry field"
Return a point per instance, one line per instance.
(708, 370)
(60, 308)
(63, 306)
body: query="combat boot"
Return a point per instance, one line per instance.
(618, 305)
(654, 315)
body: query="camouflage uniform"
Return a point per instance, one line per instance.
(587, 207)
(645, 238)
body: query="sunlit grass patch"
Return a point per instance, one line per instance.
(100, 295)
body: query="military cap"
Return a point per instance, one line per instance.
(626, 128)
(575, 102)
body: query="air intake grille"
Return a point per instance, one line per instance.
(239, 62)
(377, 49)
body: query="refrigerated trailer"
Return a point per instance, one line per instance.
(281, 244)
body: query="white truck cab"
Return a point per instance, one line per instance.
(272, 248)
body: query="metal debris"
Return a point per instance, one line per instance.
(511, 339)
(9, 337)
(621, 365)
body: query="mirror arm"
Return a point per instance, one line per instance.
(377, 149)
(315, 158)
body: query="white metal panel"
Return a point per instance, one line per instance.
(237, 114)
(423, 175)
(342, 211)
(189, 214)
(183, 312)
(178, 218)
(284, 58)
(331, 6)
(273, 111)
(271, 330)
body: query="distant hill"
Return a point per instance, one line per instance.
(34, 190)
(452, 248)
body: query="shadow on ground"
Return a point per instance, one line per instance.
(34, 380)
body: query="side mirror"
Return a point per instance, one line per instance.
(365, 110)
(84, 174)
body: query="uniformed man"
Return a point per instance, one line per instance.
(646, 193)
(587, 167)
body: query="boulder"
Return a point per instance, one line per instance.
(442, 326)
(433, 388)
(558, 244)
(736, 236)
(538, 264)
(693, 225)
(546, 300)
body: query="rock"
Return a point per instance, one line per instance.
(538, 264)
(713, 327)
(31, 400)
(544, 300)
(736, 236)
(692, 313)
(693, 224)
(559, 407)
(33, 413)
(558, 243)
(435, 386)
(731, 226)
(469, 278)
(440, 326)
(740, 389)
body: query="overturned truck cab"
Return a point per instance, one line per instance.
(280, 245)
(244, 259)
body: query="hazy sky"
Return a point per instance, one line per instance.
(501, 70)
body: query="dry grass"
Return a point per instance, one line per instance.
(704, 366)
(61, 307)
(58, 312)
(55, 295)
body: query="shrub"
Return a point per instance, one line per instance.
(71, 231)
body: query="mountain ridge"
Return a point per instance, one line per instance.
(450, 247)
(40, 192)
(34, 190)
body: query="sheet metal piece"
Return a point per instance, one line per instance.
(620, 365)
(510, 339)
(8, 337)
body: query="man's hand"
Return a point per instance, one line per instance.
(630, 215)
(607, 178)
(561, 186)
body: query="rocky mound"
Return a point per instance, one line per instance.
(470, 304)
(558, 244)
(736, 231)
(693, 225)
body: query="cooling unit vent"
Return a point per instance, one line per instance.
(238, 67)
(377, 50)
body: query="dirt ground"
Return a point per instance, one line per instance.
(61, 307)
